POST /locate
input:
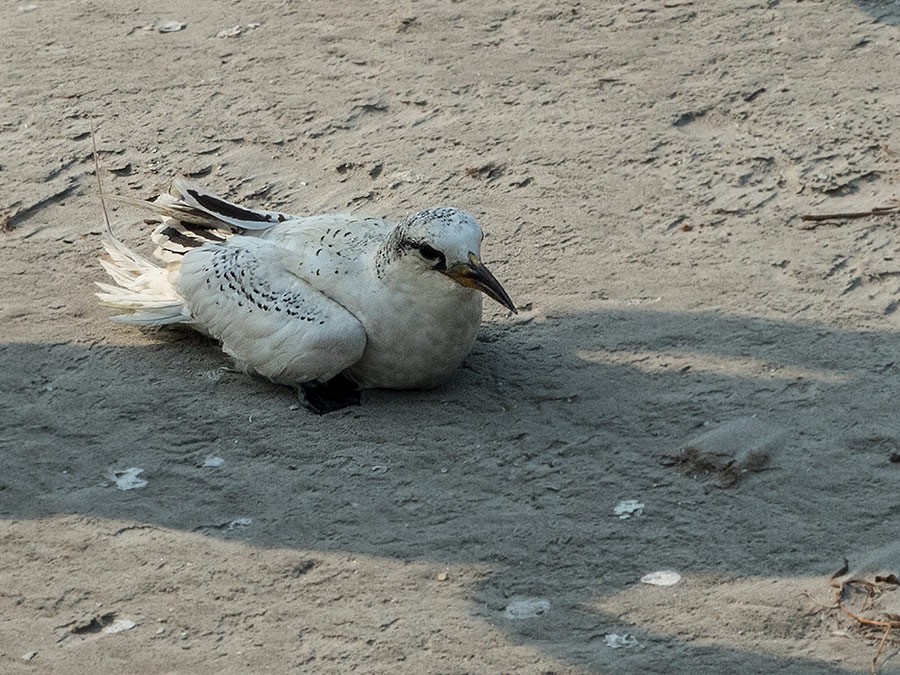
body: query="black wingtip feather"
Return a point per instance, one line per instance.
(219, 206)
(203, 232)
(179, 239)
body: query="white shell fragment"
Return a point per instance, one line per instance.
(526, 608)
(240, 522)
(661, 578)
(213, 462)
(234, 31)
(169, 26)
(127, 479)
(119, 626)
(628, 508)
(616, 641)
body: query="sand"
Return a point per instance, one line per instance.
(641, 169)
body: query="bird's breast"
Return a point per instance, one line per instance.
(418, 343)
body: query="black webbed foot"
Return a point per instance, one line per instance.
(325, 397)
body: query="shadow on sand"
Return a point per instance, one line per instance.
(515, 465)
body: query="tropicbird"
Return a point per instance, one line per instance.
(328, 303)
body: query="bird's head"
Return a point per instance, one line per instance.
(447, 241)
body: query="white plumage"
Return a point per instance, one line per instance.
(303, 300)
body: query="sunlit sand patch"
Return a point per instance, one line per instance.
(731, 366)
(86, 591)
(771, 616)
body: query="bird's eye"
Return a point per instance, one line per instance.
(430, 253)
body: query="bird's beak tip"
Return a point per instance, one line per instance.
(476, 276)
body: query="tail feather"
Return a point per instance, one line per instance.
(192, 217)
(141, 286)
(174, 238)
(152, 318)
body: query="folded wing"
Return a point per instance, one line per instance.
(271, 321)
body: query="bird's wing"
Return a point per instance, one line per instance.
(271, 321)
(336, 234)
(189, 198)
(194, 217)
(189, 204)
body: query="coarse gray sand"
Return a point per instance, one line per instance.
(641, 169)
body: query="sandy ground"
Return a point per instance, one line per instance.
(641, 169)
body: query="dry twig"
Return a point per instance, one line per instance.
(891, 622)
(99, 182)
(877, 211)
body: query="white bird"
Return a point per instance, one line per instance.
(329, 303)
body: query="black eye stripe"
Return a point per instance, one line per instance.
(431, 253)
